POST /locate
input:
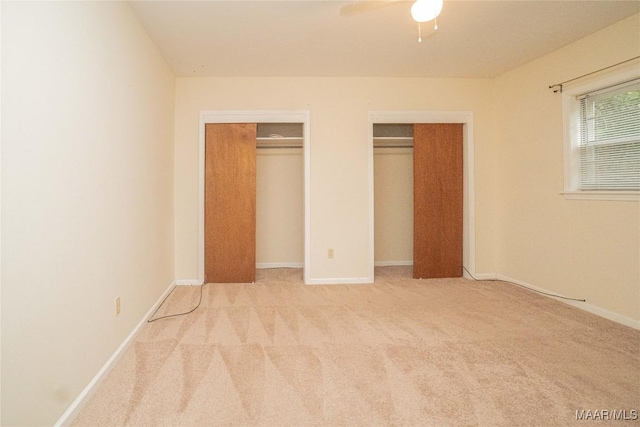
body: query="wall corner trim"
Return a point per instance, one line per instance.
(74, 409)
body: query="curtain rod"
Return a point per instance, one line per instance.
(558, 86)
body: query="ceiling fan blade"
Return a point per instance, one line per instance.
(365, 6)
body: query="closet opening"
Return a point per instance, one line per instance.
(253, 202)
(279, 196)
(420, 196)
(393, 195)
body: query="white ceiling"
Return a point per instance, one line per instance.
(311, 38)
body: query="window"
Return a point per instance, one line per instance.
(603, 143)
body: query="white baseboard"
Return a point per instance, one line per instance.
(390, 263)
(480, 276)
(75, 407)
(280, 265)
(624, 320)
(188, 282)
(339, 281)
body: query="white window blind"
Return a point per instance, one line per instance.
(609, 138)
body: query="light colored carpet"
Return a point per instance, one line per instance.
(444, 352)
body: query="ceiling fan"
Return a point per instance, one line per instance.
(421, 10)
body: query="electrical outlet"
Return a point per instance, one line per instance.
(330, 253)
(117, 306)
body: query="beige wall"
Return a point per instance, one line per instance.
(339, 148)
(87, 200)
(580, 248)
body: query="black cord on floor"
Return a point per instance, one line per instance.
(177, 314)
(463, 267)
(522, 286)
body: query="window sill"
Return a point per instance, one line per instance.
(624, 196)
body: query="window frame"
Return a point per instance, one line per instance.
(570, 113)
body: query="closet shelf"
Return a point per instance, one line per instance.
(279, 138)
(393, 142)
(279, 142)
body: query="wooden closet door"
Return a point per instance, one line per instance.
(437, 200)
(230, 203)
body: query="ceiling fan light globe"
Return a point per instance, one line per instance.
(426, 10)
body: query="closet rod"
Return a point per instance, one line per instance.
(558, 86)
(280, 146)
(393, 146)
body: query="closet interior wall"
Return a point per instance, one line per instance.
(279, 195)
(393, 194)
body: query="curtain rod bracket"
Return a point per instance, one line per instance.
(556, 88)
